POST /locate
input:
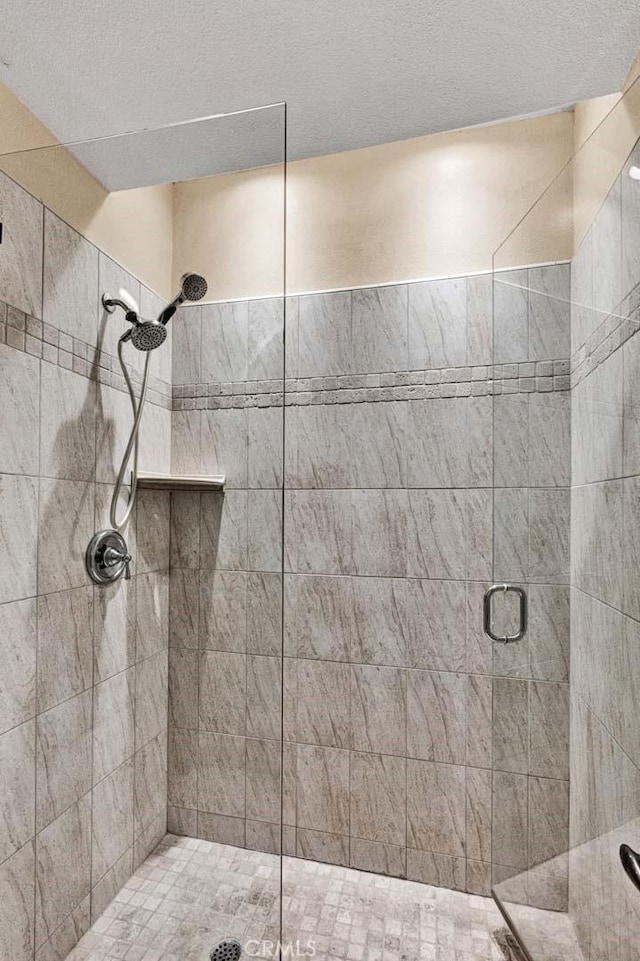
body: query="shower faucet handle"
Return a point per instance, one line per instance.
(630, 860)
(108, 558)
(113, 556)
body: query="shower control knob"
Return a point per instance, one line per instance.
(108, 558)
(113, 556)
(631, 863)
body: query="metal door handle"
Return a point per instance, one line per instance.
(504, 588)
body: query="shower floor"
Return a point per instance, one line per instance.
(189, 894)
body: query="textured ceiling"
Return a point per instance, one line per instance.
(353, 72)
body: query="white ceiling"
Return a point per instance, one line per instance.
(353, 72)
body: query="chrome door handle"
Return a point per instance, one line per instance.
(504, 588)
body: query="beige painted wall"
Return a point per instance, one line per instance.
(605, 131)
(426, 207)
(135, 227)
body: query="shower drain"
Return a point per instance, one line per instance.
(226, 950)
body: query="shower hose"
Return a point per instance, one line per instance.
(132, 443)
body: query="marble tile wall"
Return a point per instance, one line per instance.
(83, 691)
(605, 613)
(403, 725)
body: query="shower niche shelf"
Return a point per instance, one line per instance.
(180, 482)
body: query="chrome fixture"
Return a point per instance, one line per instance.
(631, 863)
(108, 557)
(487, 621)
(192, 287)
(226, 950)
(145, 335)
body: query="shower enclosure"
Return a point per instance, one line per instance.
(338, 685)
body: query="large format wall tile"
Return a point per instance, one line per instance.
(224, 445)
(114, 628)
(319, 702)
(222, 697)
(437, 534)
(378, 709)
(113, 423)
(263, 784)
(436, 624)
(324, 335)
(549, 312)
(387, 677)
(64, 752)
(436, 805)
(265, 358)
(112, 820)
(323, 789)
(223, 610)
(379, 525)
(221, 774)
(378, 798)
(319, 616)
(223, 531)
(225, 332)
(65, 527)
(63, 868)
(607, 252)
(436, 716)
(318, 532)
(151, 697)
(21, 270)
(264, 699)
(597, 425)
(67, 426)
(18, 651)
(19, 411)
(64, 742)
(18, 536)
(438, 324)
(150, 784)
(151, 613)
(71, 280)
(17, 905)
(113, 731)
(17, 759)
(379, 328)
(434, 460)
(65, 645)
(480, 319)
(510, 316)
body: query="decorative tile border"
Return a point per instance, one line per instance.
(609, 336)
(613, 331)
(31, 336)
(524, 378)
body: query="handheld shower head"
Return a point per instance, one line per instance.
(192, 287)
(147, 335)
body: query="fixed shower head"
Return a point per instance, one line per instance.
(192, 287)
(147, 335)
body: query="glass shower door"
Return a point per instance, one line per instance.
(565, 530)
(527, 609)
(156, 698)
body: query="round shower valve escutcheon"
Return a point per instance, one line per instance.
(108, 558)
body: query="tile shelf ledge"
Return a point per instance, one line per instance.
(148, 480)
